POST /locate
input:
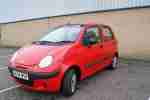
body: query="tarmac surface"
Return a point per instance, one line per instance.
(131, 81)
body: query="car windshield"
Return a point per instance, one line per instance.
(68, 33)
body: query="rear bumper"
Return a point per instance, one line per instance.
(46, 82)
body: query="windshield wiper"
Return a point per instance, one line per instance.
(41, 42)
(65, 42)
(48, 42)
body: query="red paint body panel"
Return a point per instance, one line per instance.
(65, 56)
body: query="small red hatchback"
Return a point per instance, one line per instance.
(63, 57)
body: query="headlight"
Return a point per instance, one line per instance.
(14, 56)
(45, 62)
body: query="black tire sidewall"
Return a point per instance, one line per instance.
(66, 86)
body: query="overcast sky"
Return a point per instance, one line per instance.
(22, 9)
(12, 10)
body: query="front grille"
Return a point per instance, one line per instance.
(22, 67)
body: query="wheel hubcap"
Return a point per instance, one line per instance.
(115, 62)
(73, 83)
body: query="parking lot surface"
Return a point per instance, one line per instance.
(131, 81)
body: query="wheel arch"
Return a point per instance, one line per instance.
(117, 54)
(77, 71)
(76, 68)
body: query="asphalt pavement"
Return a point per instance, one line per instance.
(131, 81)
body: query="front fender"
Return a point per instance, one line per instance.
(66, 67)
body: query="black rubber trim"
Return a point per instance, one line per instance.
(36, 75)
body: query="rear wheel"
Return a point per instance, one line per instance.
(115, 63)
(69, 85)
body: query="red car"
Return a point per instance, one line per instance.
(63, 57)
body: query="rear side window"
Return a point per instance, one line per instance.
(107, 33)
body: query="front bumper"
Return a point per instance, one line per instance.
(40, 81)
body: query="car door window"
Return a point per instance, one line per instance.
(92, 33)
(107, 33)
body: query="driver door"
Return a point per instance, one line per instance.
(93, 51)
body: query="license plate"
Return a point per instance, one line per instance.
(20, 75)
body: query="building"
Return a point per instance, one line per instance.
(130, 19)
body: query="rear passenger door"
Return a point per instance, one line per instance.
(108, 44)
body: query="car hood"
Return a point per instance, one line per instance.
(33, 54)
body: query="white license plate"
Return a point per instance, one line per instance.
(20, 75)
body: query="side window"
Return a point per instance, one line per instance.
(93, 35)
(107, 33)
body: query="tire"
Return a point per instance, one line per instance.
(69, 85)
(115, 63)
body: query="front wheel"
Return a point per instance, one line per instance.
(69, 85)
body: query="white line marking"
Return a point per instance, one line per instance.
(10, 88)
(3, 68)
(4, 56)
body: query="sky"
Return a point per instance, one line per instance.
(13, 10)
